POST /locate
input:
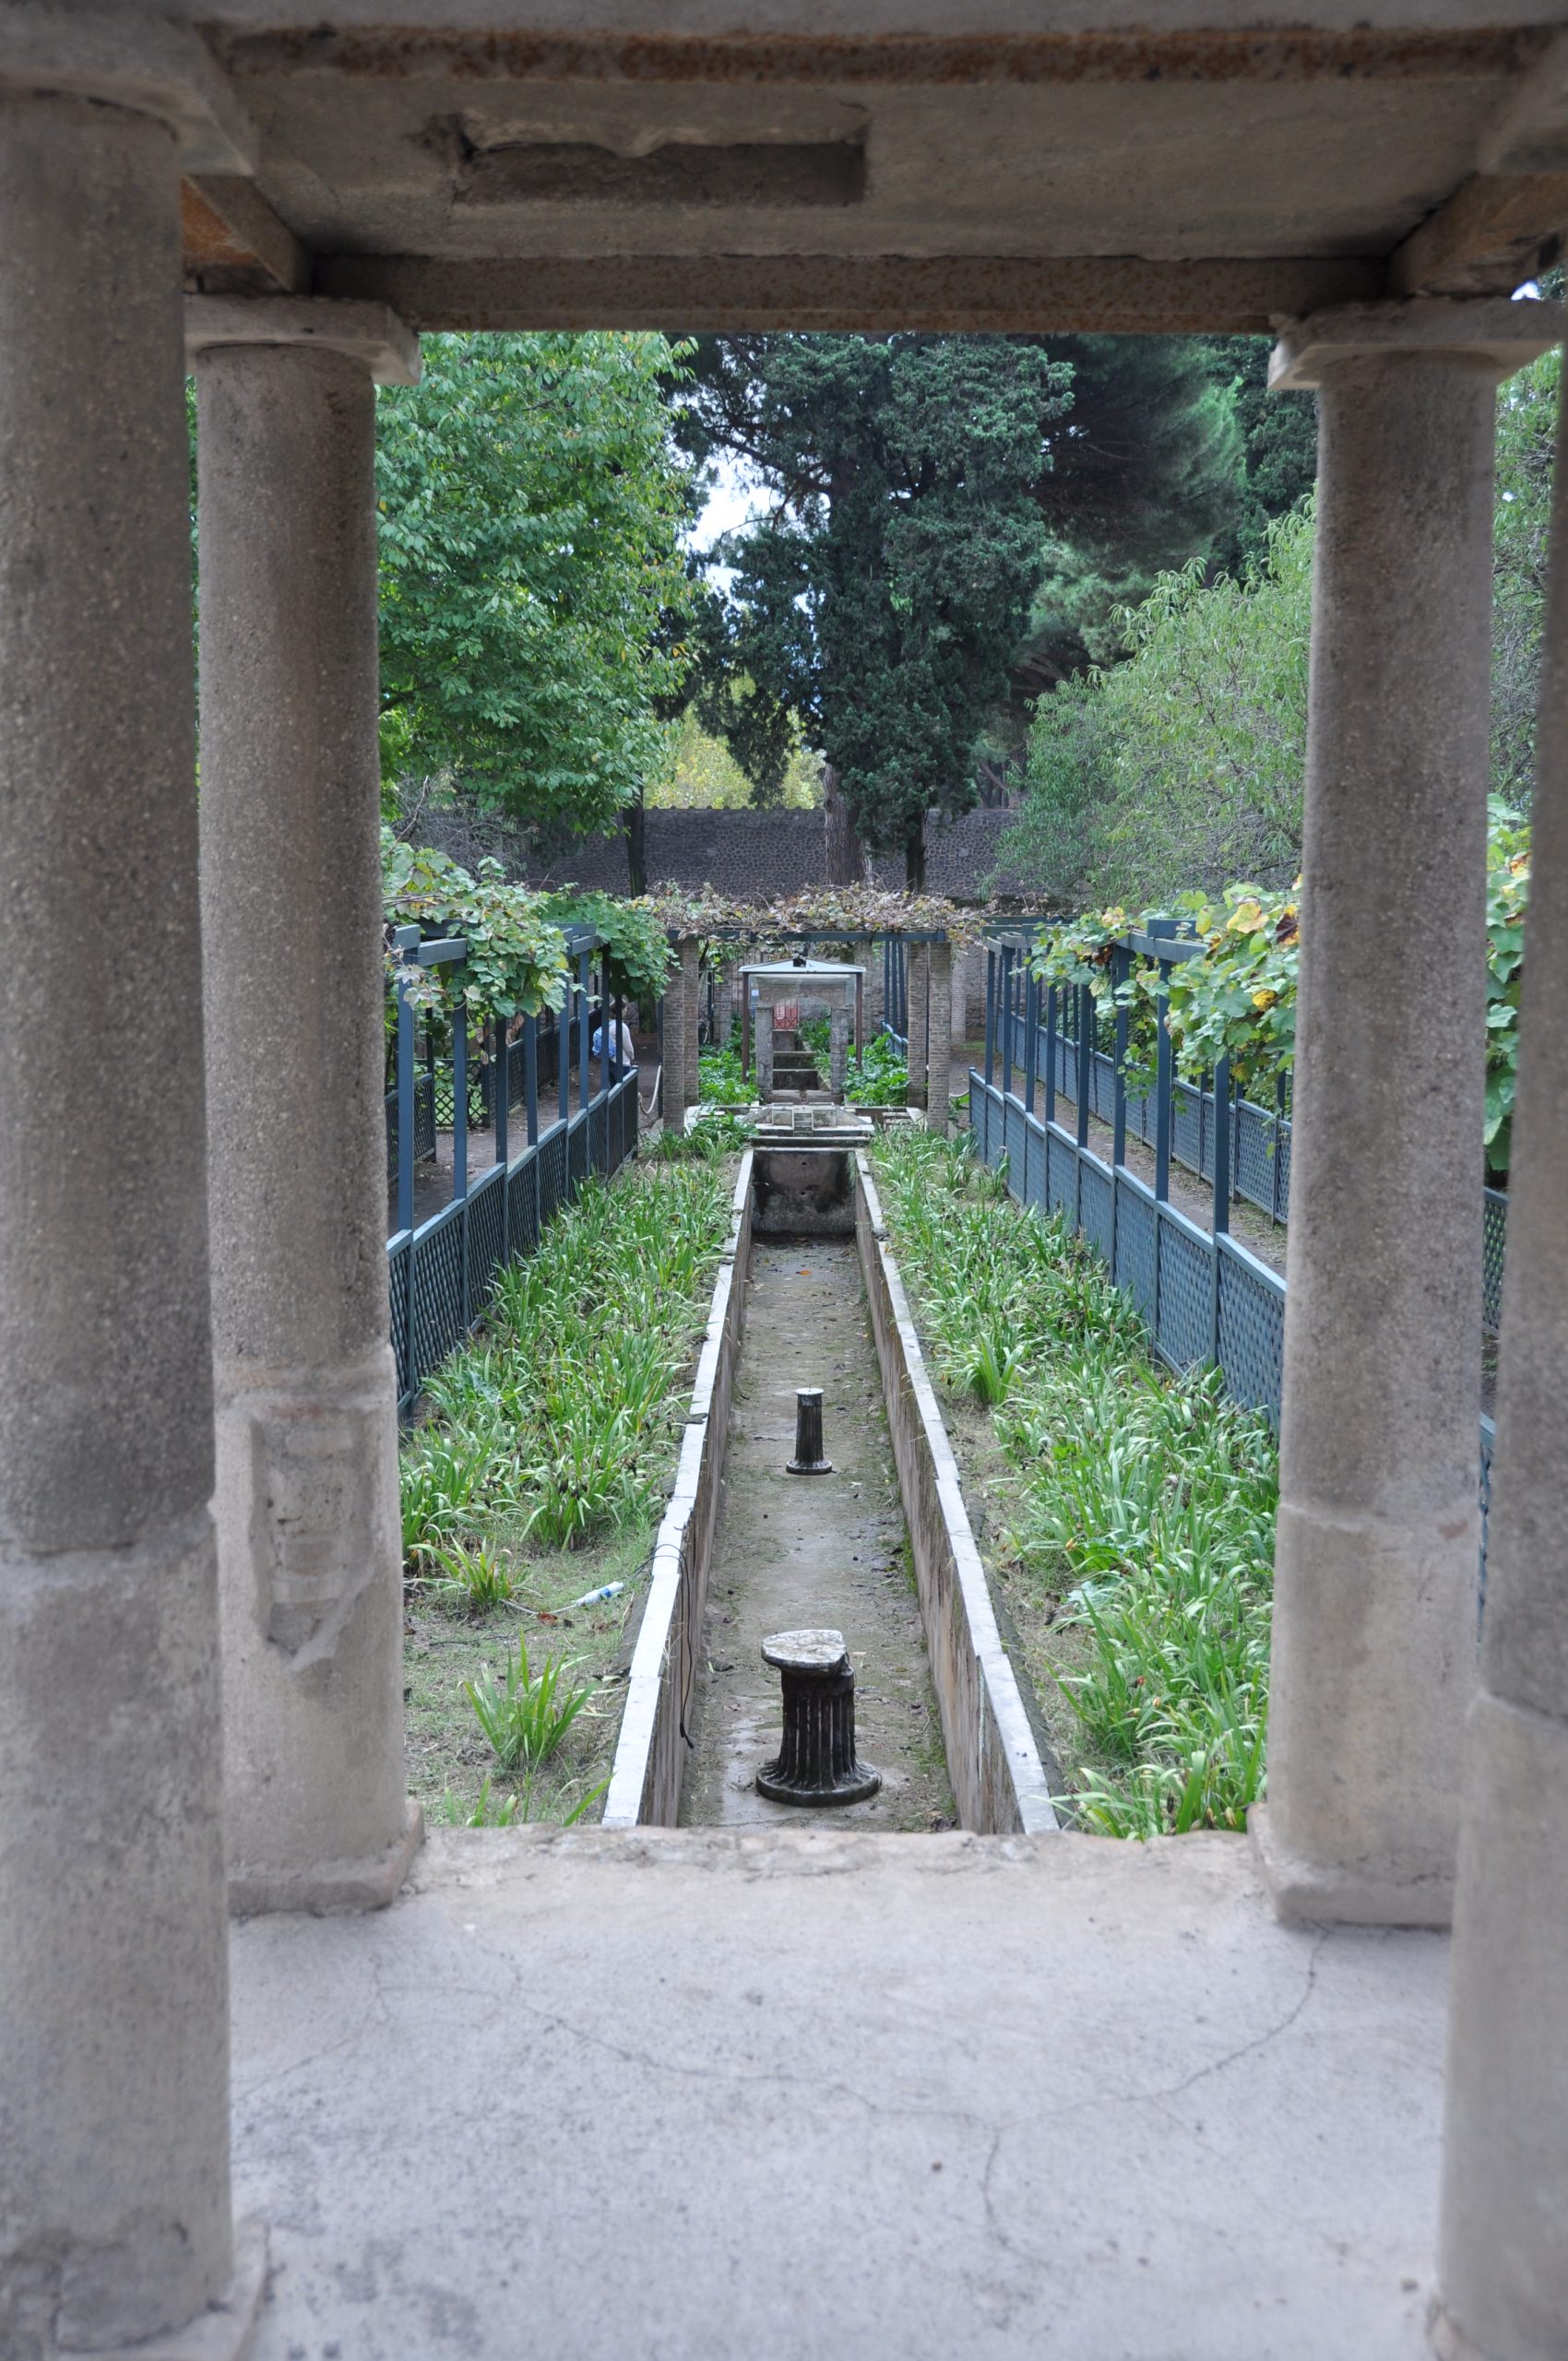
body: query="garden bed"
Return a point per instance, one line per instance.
(537, 1476)
(1126, 1515)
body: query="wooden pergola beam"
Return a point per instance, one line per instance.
(227, 225)
(1497, 229)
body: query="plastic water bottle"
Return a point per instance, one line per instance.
(592, 1597)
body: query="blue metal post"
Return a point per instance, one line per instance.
(563, 1051)
(1086, 1061)
(1279, 1142)
(459, 1101)
(460, 1134)
(1050, 1053)
(501, 1087)
(989, 1015)
(1006, 1020)
(1120, 966)
(405, 1112)
(1031, 1037)
(1221, 1192)
(1162, 1089)
(1222, 1148)
(531, 1078)
(584, 981)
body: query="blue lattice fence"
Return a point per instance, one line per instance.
(1206, 1299)
(441, 1274)
(1260, 1136)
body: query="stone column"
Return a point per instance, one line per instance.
(115, 2213)
(762, 1051)
(838, 1053)
(681, 1086)
(1378, 1538)
(309, 1537)
(1504, 2268)
(939, 1046)
(723, 1004)
(690, 962)
(919, 977)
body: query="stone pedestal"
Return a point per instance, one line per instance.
(1378, 1538)
(308, 1525)
(1504, 2262)
(114, 2207)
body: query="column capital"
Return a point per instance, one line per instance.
(1490, 328)
(372, 333)
(131, 57)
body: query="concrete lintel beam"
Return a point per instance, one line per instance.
(226, 224)
(1093, 294)
(144, 63)
(1490, 328)
(369, 332)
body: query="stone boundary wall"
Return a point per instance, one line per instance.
(650, 1753)
(751, 856)
(1000, 1783)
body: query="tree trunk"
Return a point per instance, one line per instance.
(637, 848)
(846, 863)
(914, 857)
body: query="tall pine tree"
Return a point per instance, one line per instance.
(882, 597)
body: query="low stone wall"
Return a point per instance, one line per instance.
(644, 1780)
(999, 1782)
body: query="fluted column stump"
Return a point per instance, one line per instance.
(816, 1762)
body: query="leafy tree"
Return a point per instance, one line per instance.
(1181, 766)
(1526, 434)
(881, 600)
(531, 503)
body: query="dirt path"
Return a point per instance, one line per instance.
(793, 1551)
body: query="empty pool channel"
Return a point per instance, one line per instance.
(819, 1642)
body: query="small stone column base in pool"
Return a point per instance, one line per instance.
(808, 1459)
(816, 1762)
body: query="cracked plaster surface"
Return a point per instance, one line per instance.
(689, 2092)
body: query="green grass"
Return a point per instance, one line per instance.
(1135, 1508)
(538, 1474)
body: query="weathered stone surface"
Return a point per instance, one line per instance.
(114, 2219)
(1505, 2256)
(1378, 1539)
(1114, 2053)
(306, 1502)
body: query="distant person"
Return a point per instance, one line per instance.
(617, 1038)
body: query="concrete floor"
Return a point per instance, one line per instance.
(688, 2095)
